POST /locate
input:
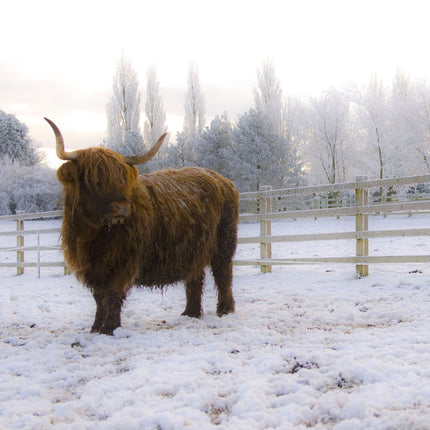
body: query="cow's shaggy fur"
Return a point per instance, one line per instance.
(121, 229)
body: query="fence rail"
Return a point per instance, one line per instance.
(364, 183)
(265, 198)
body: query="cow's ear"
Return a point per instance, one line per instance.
(67, 174)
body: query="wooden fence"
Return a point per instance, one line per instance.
(361, 209)
(357, 206)
(20, 233)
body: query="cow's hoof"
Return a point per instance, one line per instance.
(225, 309)
(103, 330)
(192, 314)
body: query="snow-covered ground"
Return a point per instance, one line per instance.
(308, 347)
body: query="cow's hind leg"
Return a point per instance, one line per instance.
(222, 270)
(194, 291)
(222, 260)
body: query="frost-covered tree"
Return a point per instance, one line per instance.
(391, 127)
(385, 127)
(293, 136)
(123, 110)
(372, 122)
(194, 120)
(265, 148)
(15, 143)
(385, 130)
(402, 125)
(24, 183)
(30, 188)
(214, 149)
(328, 122)
(182, 154)
(421, 124)
(173, 156)
(259, 153)
(134, 143)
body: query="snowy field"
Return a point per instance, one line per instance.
(308, 347)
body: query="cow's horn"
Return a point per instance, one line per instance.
(140, 159)
(61, 153)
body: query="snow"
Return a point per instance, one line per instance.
(308, 347)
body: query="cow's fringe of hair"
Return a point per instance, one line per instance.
(104, 170)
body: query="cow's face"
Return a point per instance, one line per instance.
(99, 184)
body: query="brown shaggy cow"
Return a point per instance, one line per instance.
(121, 229)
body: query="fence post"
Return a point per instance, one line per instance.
(38, 254)
(361, 224)
(67, 270)
(19, 242)
(265, 227)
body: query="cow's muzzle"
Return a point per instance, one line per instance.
(120, 209)
(117, 213)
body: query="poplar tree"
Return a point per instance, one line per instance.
(194, 120)
(183, 154)
(155, 123)
(123, 111)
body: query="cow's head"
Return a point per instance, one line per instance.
(98, 182)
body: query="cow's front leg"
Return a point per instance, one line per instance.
(112, 319)
(99, 297)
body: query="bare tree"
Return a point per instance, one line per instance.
(409, 125)
(402, 123)
(328, 121)
(422, 127)
(373, 121)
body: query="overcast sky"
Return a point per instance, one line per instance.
(57, 58)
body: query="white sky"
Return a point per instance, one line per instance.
(57, 58)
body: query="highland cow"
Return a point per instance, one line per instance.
(122, 230)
